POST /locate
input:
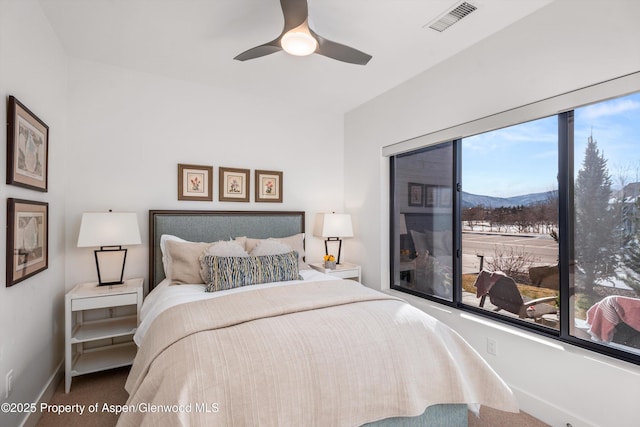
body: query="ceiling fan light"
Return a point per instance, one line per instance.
(298, 43)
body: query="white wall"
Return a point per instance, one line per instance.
(129, 130)
(558, 49)
(33, 68)
(116, 138)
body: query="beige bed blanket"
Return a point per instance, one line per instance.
(328, 353)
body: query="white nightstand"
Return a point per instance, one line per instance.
(344, 270)
(84, 350)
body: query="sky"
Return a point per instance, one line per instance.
(523, 159)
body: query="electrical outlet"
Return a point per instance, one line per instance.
(492, 346)
(9, 384)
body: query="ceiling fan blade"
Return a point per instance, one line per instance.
(339, 51)
(295, 12)
(262, 50)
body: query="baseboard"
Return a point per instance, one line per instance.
(546, 411)
(45, 395)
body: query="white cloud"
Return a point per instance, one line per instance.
(610, 108)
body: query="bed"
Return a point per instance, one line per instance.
(307, 350)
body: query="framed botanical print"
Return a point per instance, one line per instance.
(27, 239)
(195, 182)
(268, 186)
(233, 185)
(416, 194)
(27, 148)
(430, 196)
(444, 197)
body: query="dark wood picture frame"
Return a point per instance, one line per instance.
(233, 185)
(27, 148)
(27, 239)
(268, 186)
(195, 182)
(416, 194)
(430, 196)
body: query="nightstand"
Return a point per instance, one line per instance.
(343, 270)
(99, 324)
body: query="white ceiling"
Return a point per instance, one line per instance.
(196, 40)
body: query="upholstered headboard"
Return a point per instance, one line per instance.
(211, 226)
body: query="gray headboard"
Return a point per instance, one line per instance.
(211, 226)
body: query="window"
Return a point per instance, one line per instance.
(423, 215)
(509, 207)
(605, 283)
(543, 231)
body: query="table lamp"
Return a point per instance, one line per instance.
(332, 227)
(109, 231)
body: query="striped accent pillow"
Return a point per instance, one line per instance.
(222, 273)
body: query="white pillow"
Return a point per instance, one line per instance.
(225, 248)
(296, 242)
(270, 247)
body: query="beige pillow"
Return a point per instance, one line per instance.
(296, 242)
(270, 247)
(185, 261)
(225, 248)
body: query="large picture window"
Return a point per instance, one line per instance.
(535, 224)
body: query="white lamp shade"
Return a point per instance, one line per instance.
(109, 229)
(403, 224)
(333, 225)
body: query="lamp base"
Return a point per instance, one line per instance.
(107, 258)
(110, 283)
(333, 239)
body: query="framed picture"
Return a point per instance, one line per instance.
(234, 185)
(431, 194)
(27, 148)
(444, 197)
(27, 239)
(195, 182)
(268, 186)
(416, 194)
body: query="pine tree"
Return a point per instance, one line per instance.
(594, 220)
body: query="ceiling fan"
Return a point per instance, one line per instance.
(300, 40)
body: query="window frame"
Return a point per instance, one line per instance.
(565, 225)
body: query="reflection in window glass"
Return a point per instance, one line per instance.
(605, 302)
(509, 224)
(423, 219)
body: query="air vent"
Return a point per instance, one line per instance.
(451, 17)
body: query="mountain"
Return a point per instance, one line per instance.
(471, 200)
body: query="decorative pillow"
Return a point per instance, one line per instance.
(233, 272)
(167, 261)
(296, 242)
(226, 248)
(436, 243)
(270, 247)
(184, 266)
(166, 258)
(442, 242)
(420, 243)
(242, 241)
(223, 249)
